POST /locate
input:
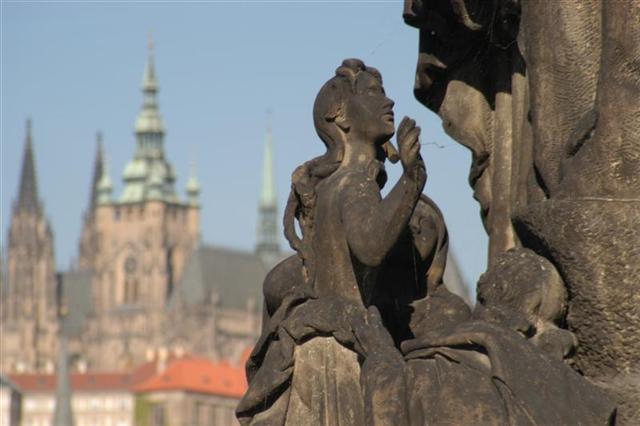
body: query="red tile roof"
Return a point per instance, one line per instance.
(34, 382)
(194, 374)
(187, 373)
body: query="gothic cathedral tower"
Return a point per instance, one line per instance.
(136, 246)
(29, 308)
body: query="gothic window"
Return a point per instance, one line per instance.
(130, 280)
(170, 274)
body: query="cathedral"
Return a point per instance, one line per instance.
(144, 283)
(145, 286)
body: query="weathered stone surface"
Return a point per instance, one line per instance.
(359, 327)
(596, 245)
(546, 95)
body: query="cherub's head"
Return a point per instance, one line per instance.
(353, 106)
(526, 288)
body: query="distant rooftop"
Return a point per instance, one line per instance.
(200, 375)
(185, 373)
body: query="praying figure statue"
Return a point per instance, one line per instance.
(306, 366)
(359, 327)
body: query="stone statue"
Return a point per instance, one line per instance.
(339, 209)
(546, 95)
(359, 328)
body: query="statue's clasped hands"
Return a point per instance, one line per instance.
(408, 136)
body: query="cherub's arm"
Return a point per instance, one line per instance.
(373, 225)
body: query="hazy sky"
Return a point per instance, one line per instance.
(76, 68)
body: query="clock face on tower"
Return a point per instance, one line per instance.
(130, 265)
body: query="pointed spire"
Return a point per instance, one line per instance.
(193, 187)
(149, 120)
(149, 82)
(98, 166)
(104, 188)
(268, 193)
(267, 247)
(149, 176)
(28, 192)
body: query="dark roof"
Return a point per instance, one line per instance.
(233, 277)
(77, 299)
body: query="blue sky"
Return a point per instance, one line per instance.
(76, 68)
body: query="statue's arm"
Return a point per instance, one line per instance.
(373, 225)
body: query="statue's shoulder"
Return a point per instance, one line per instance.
(347, 181)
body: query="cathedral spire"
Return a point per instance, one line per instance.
(28, 192)
(149, 176)
(104, 188)
(268, 193)
(149, 125)
(98, 166)
(267, 247)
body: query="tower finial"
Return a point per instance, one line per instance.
(150, 42)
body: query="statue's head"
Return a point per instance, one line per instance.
(353, 105)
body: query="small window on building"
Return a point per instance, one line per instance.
(158, 415)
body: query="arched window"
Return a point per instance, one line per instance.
(130, 280)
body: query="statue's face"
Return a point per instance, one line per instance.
(368, 112)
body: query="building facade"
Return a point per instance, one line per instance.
(144, 282)
(136, 245)
(98, 399)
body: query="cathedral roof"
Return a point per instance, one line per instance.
(77, 299)
(230, 277)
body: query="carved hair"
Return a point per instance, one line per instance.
(301, 203)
